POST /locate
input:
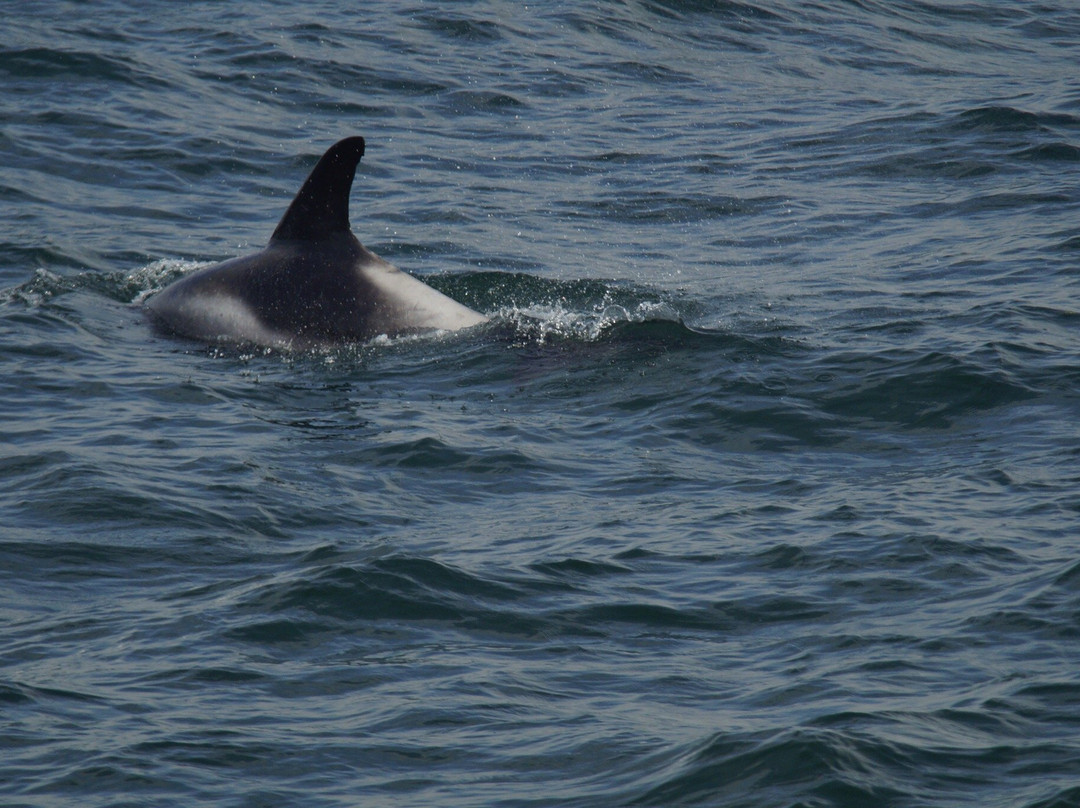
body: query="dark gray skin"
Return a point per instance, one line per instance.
(314, 285)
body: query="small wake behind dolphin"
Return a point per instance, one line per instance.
(314, 285)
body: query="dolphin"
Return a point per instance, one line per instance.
(314, 285)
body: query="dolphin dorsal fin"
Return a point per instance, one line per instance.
(321, 207)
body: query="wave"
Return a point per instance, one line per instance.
(1010, 119)
(915, 386)
(863, 758)
(399, 593)
(38, 64)
(776, 770)
(918, 391)
(536, 310)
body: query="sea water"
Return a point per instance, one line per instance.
(762, 487)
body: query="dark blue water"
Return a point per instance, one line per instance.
(761, 489)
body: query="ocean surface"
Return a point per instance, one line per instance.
(762, 487)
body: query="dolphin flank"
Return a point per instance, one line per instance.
(314, 285)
